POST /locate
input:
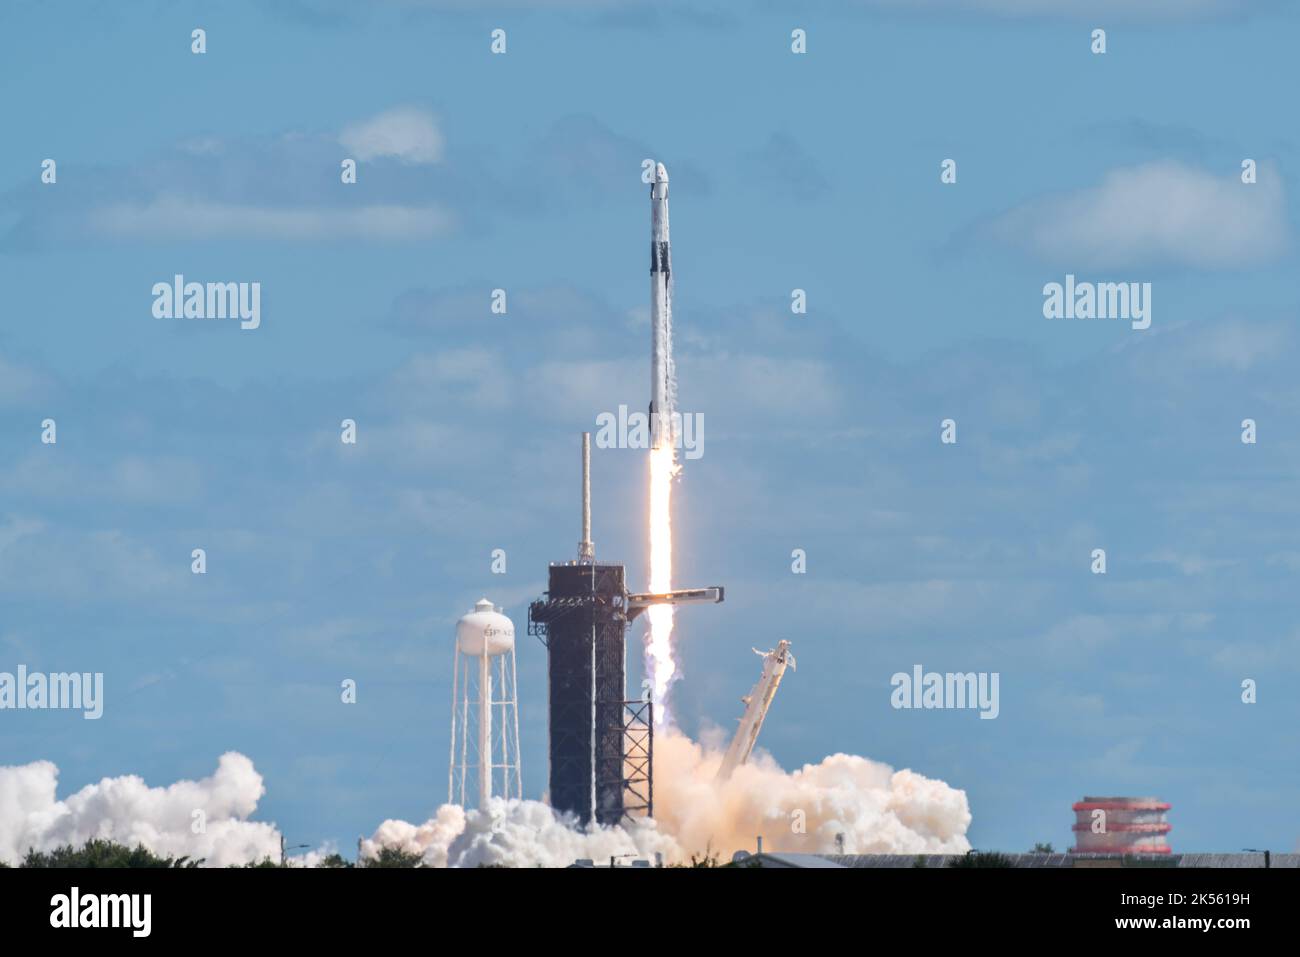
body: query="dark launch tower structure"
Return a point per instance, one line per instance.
(601, 743)
(599, 769)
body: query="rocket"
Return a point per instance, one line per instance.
(663, 385)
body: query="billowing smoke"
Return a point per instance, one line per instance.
(515, 834)
(430, 840)
(128, 811)
(875, 808)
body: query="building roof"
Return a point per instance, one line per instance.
(789, 860)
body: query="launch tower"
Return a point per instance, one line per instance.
(601, 742)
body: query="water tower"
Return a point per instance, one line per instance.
(484, 710)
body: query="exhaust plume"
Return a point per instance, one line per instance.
(877, 809)
(128, 811)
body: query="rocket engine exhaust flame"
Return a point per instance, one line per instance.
(661, 669)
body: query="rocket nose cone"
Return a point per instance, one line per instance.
(661, 173)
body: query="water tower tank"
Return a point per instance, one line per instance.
(485, 630)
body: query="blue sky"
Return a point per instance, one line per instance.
(818, 172)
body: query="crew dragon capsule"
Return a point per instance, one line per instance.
(663, 383)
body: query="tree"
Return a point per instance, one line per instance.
(394, 857)
(334, 860)
(709, 858)
(101, 853)
(1043, 849)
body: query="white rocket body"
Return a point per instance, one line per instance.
(756, 704)
(663, 389)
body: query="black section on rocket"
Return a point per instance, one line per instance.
(660, 258)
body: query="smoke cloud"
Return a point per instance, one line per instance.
(515, 834)
(877, 809)
(128, 811)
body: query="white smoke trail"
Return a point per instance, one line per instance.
(877, 809)
(128, 811)
(660, 666)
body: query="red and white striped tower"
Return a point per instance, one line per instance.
(1121, 825)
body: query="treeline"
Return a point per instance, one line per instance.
(100, 853)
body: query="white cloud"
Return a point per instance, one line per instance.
(176, 217)
(404, 133)
(731, 387)
(1238, 344)
(1190, 563)
(1251, 656)
(133, 479)
(473, 377)
(38, 559)
(1163, 212)
(17, 384)
(582, 388)
(932, 606)
(779, 386)
(155, 479)
(16, 528)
